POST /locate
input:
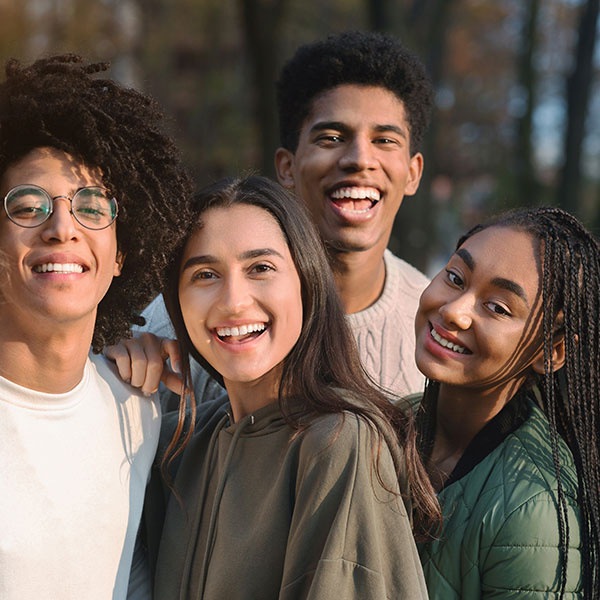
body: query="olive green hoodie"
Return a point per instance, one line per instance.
(273, 513)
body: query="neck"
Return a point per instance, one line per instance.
(248, 397)
(461, 414)
(359, 278)
(45, 359)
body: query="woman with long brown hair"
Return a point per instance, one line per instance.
(296, 483)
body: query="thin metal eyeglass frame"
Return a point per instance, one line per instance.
(51, 211)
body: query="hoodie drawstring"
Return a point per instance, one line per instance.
(216, 505)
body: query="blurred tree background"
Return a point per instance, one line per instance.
(517, 119)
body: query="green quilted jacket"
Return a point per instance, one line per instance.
(500, 536)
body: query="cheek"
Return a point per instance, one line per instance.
(297, 321)
(193, 313)
(292, 300)
(429, 299)
(312, 169)
(106, 252)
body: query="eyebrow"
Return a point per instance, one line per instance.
(204, 259)
(501, 282)
(339, 126)
(466, 257)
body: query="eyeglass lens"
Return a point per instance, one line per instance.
(30, 206)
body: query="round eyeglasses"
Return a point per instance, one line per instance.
(30, 205)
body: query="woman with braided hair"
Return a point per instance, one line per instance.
(508, 337)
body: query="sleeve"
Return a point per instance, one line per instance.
(523, 560)
(140, 587)
(350, 537)
(157, 319)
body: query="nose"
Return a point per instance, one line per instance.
(359, 154)
(235, 294)
(61, 226)
(458, 312)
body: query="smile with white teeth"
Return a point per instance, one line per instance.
(240, 330)
(58, 268)
(356, 193)
(447, 344)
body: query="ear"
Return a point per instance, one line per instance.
(119, 260)
(415, 170)
(284, 167)
(558, 356)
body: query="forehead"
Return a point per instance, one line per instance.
(354, 104)
(236, 228)
(47, 167)
(508, 253)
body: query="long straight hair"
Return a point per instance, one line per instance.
(324, 359)
(570, 262)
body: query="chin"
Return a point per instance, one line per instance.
(343, 245)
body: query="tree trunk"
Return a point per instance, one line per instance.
(578, 93)
(414, 233)
(261, 22)
(380, 15)
(526, 189)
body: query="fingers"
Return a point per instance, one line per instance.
(172, 380)
(120, 356)
(147, 362)
(139, 360)
(171, 377)
(170, 349)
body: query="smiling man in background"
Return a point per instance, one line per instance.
(353, 110)
(91, 190)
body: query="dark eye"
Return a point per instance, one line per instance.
(91, 211)
(26, 211)
(92, 205)
(498, 308)
(27, 205)
(261, 268)
(203, 275)
(329, 139)
(454, 279)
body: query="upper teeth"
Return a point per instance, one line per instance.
(241, 330)
(447, 344)
(356, 193)
(59, 268)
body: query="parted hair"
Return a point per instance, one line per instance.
(354, 57)
(60, 102)
(315, 370)
(570, 259)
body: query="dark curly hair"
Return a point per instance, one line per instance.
(354, 57)
(57, 102)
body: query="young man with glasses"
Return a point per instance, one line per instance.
(92, 197)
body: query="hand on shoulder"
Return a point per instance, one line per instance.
(142, 362)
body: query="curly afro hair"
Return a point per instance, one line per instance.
(355, 57)
(60, 103)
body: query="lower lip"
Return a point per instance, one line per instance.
(354, 217)
(239, 347)
(59, 276)
(434, 348)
